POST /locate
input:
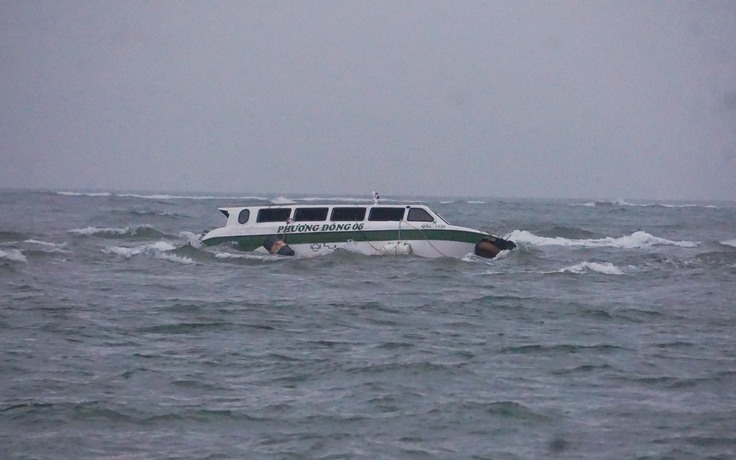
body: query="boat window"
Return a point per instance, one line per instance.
(386, 214)
(347, 214)
(310, 214)
(274, 214)
(419, 215)
(243, 216)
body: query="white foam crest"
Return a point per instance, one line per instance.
(731, 243)
(189, 197)
(92, 194)
(161, 196)
(176, 258)
(49, 247)
(150, 248)
(282, 200)
(470, 257)
(709, 206)
(605, 268)
(475, 202)
(639, 239)
(644, 205)
(129, 230)
(245, 255)
(618, 202)
(89, 231)
(13, 254)
(192, 238)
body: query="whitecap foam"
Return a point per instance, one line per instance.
(282, 200)
(48, 247)
(246, 255)
(175, 258)
(707, 206)
(639, 239)
(623, 203)
(189, 197)
(132, 230)
(150, 248)
(193, 239)
(475, 202)
(338, 199)
(731, 243)
(13, 254)
(605, 268)
(161, 196)
(91, 194)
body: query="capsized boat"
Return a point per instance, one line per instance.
(306, 230)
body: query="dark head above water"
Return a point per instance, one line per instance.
(490, 247)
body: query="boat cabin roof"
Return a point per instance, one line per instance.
(329, 213)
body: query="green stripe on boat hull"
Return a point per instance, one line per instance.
(253, 242)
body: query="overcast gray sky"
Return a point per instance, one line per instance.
(581, 99)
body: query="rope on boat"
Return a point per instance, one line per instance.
(428, 240)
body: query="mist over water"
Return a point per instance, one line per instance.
(608, 333)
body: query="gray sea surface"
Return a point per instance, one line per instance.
(610, 332)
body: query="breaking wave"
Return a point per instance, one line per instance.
(13, 255)
(282, 200)
(731, 243)
(90, 194)
(176, 258)
(150, 248)
(163, 196)
(639, 239)
(192, 239)
(160, 250)
(48, 247)
(131, 231)
(620, 203)
(605, 268)
(247, 256)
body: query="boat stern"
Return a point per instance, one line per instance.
(490, 246)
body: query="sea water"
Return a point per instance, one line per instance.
(610, 332)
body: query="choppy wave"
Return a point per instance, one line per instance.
(247, 256)
(187, 251)
(282, 200)
(337, 199)
(160, 196)
(176, 258)
(132, 231)
(621, 203)
(149, 248)
(160, 250)
(13, 255)
(192, 239)
(639, 239)
(434, 358)
(152, 213)
(48, 247)
(605, 268)
(90, 194)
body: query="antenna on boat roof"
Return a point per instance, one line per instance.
(376, 197)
